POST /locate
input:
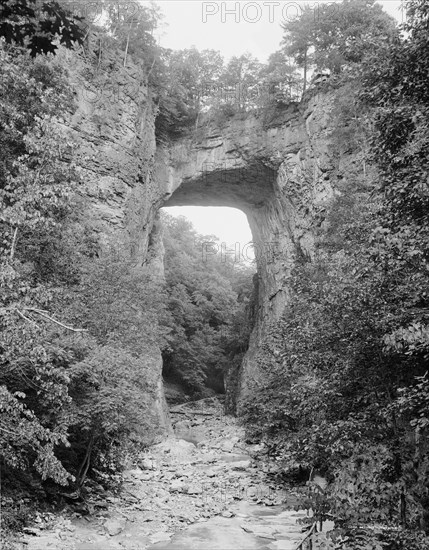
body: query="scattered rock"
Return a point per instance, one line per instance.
(114, 526)
(241, 465)
(147, 464)
(262, 531)
(137, 473)
(195, 489)
(229, 444)
(175, 484)
(160, 536)
(180, 473)
(32, 531)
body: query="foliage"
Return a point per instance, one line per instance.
(133, 24)
(240, 81)
(189, 80)
(297, 41)
(198, 72)
(36, 26)
(117, 303)
(331, 395)
(280, 79)
(335, 36)
(35, 190)
(108, 413)
(205, 301)
(400, 150)
(345, 386)
(76, 329)
(32, 92)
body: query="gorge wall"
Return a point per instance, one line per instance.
(278, 167)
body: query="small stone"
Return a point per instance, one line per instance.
(160, 536)
(251, 491)
(177, 486)
(113, 500)
(147, 464)
(230, 443)
(137, 473)
(195, 490)
(241, 465)
(32, 531)
(262, 531)
(114, 526)
(180, 474)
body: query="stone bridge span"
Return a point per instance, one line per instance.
(276, 169)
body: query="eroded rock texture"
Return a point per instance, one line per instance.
(278, 167)
(114, 130)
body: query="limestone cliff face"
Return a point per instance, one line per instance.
(278, 167)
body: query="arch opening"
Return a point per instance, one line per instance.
(227, 184)
(211, 300)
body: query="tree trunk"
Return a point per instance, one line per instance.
(84, 467)
(305, 71)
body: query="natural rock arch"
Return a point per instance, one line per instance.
(278, 171)
(278, 167)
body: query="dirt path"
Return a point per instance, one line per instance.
(200, 490)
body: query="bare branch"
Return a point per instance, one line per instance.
(43, 314)
(152, 66)
(16, 434)
(40, 312)
(128, 43)
(26, 318)
(191, 413)
(12, 249)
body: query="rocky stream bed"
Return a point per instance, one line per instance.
(201, 489)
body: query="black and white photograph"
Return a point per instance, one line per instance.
(214, 275)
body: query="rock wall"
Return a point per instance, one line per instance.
(278, 167)
(113, 127)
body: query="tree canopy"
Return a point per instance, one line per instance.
(206, 304)
(334, 36)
